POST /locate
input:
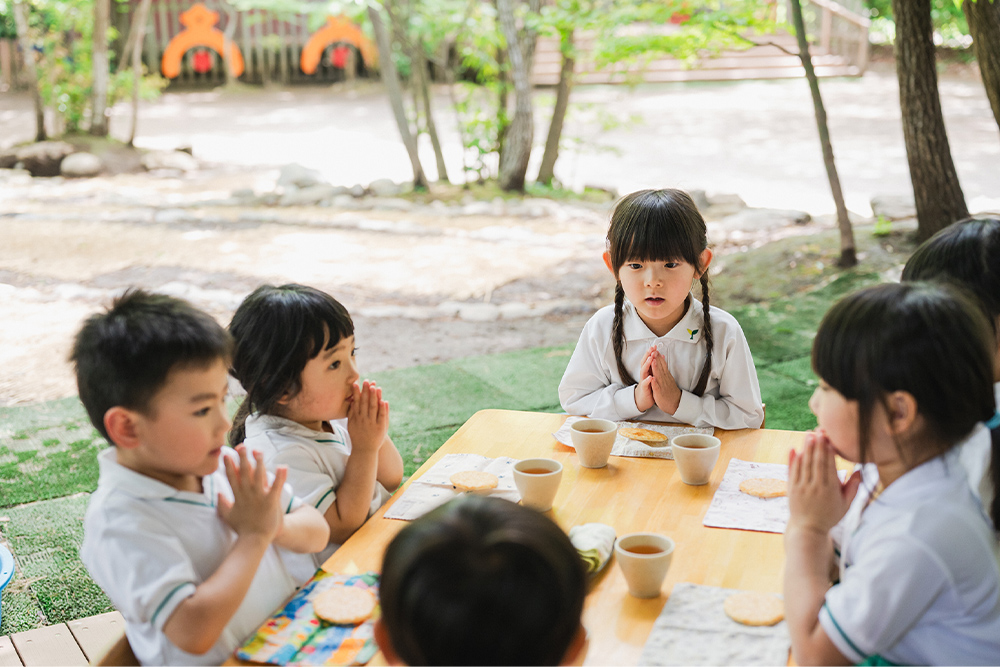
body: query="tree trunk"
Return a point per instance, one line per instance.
(227, 42)
(848, 254)
(28, 53)
(520, 134)
(983, 17)
(422, 81)
(101, 68)
(936, 189)
(503, 102)
(138, 31)
(391, 80)
(546, 172)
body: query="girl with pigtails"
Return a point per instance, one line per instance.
(660, 354)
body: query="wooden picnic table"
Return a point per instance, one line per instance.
(630, 494)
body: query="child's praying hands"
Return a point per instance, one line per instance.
(666, 393)
(817, 499)
(256, 505)
(367, 417)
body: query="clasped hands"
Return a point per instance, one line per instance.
(656, 385)
(817, 499)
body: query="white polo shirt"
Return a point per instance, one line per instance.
(148, 546)
(592, 385)
(919, 582)
(316, 462)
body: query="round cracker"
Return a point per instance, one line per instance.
(764, 487)
(648, 436)
(754, 608)
(344, 605)
(474, 480)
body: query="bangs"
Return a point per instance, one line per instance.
(656, 225)
(324, 324)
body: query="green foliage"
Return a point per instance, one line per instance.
(883, 226)
(7, 28)
(950, 25)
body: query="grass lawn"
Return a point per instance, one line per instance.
(778, 293)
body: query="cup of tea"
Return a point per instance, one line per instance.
(695, 455)
(644, 559)
(593, 440)
(537, 481)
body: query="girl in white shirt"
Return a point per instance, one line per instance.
(658, 353)
(904, 376)
(294, 356)
(968, 253)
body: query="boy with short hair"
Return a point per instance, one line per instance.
(184, 535)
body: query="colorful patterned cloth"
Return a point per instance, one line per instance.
(294, 636)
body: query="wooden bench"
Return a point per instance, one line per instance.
(86, 641)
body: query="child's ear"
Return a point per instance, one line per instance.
(384, 645)
(607, 263)
(903, 412)
(704, 259)
(121, 425)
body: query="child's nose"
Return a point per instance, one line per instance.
(814, 401)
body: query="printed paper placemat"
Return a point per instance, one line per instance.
(294, 636)
(731, 508)
(625, 447)
(693, 629)
(434, 487)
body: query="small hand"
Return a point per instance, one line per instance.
(817, 500)
(644, 389)
(367, 418)
(256, 505)
(666, 393)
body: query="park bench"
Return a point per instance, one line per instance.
(94, 640)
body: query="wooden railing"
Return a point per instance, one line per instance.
(839, 29)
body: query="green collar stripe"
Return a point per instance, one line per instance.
(290, 501)
(188, 502)
(167, 599)
(842, 634)
(320, 501)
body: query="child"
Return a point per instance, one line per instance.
(294, 356)
(904, 376)
(968, 253)
(658, 353)
(481, 581)
(181, 532)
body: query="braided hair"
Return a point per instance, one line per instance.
(654, 225)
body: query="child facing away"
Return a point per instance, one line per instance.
(182, 533)
(658, 353)
(294, 356)
(905, 374)
(968, 254)
(481, 581)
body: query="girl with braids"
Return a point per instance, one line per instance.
(658, 353)
(294, 355)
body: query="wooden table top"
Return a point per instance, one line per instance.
(630, 494)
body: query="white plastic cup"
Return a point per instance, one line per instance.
(644, 559)
(537, 488)
(695, 455)
(593, 440)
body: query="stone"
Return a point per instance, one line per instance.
(392, 204)
(81, 165)
(700, 200)
(243, 193)
(479, 312)
(477, 208)
(44, 158)
(384, 187)
(8, 159)
(308, 196)
(722, 205)
(357, 191)
(172, 160)
(299, 176)
(893, 207)
(763, 219)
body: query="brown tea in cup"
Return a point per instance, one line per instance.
(643, 549)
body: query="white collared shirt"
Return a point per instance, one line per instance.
(593, 387)
(316, 462)
(148, 545)
(920, 584)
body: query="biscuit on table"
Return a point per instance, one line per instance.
(754, 608)
(764, 487)
(474, 480)
(648, 436)
(344, 605)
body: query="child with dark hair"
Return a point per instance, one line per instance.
(905, 373)
(968, 254)
(658, 353)
(481, 581)
(294, 355)
(183, 534)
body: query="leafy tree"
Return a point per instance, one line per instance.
(848, 255)
(24, 40)
(520, 134)
(936, 188)
(101, 68)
